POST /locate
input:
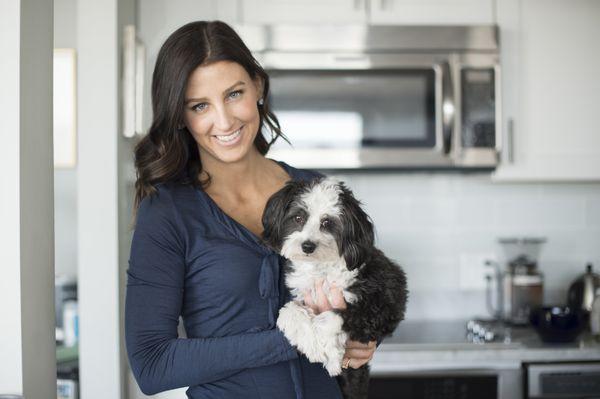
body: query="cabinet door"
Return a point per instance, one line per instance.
(431, 12)
(306, 11)
(556, 103)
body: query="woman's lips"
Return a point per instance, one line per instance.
(229, 140)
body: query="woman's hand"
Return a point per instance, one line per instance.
(321, 303)
(358, 354)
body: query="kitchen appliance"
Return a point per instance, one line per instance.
(563, 380)
(383, 96)
(557, 323)
(582, 291)
(446, 376)
(520, 285)
(471, 382)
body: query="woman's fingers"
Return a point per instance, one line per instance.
(359, 353)
(354, 362)
(308, 301)
(337, 297)
(322, 302)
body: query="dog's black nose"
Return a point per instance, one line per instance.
(308, 247)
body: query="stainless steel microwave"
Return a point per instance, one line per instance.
(352, 97)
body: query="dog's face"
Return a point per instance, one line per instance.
(318, 221)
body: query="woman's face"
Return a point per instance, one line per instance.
(221, 110)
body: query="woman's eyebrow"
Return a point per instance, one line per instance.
(224, 91)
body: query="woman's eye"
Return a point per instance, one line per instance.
(199, 107)
(325, 223)
(298, 219)
(235, 94)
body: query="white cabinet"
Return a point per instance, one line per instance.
(431, 12)
(306, 11)
(551, 89)
(375, 12)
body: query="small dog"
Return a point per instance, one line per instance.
(321, 230)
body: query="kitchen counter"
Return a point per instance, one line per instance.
(431, 345)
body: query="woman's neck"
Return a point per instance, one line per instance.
(236, 180)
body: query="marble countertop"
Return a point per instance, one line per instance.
(442, 345)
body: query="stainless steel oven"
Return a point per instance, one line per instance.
(383, 96)
(467, 381)
(563, 380)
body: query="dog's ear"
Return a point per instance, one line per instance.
(274, 213)
(357, 238)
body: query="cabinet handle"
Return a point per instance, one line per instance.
(510, 132)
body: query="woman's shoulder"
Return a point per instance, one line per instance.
(299, 173)
(167, 194)
(167, 202)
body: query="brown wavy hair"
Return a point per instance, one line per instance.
(168, 153)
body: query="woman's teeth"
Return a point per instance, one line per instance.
(230, 137)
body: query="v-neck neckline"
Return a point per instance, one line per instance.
(255, 238)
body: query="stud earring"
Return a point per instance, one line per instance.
(261, 101)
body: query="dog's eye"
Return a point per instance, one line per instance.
(298, 219)
(325, 223)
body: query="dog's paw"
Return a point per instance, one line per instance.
(335, 356)
(332, 340)
(295, 322)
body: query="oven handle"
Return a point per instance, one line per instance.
(446, 106)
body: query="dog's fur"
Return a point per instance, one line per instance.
(320, 228)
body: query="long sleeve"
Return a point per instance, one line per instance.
(155, 293)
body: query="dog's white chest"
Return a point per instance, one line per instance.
(303, 276)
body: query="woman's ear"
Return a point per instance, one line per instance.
(259, 85)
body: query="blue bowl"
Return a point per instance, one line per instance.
(557, 323)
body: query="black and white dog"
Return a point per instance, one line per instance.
(320, 228)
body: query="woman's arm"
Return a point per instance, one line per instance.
(159, 359)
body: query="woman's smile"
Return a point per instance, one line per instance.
(229, 140)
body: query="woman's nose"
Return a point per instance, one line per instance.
(223, 119)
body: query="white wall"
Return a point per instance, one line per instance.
(10, 322)
(26, 206)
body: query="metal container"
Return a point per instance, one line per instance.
(520, 285)
(582, 291)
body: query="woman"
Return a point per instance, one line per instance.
(202, 183)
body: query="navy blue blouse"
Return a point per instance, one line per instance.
(189, 258)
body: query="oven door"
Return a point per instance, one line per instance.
(437, 383)
(563, 380)
(362, 110)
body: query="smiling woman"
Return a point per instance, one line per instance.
(205, 82)
(223, 122)
(197, 251)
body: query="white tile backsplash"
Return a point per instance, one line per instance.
(427, 222)
(592, 211)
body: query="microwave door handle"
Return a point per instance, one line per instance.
(446, 105)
